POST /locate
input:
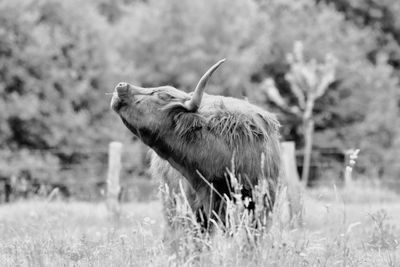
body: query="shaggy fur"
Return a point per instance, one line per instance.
(192, 146)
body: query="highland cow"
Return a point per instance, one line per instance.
(197, 138)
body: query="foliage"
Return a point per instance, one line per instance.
(54, 71)
(361, 75)
(57, 61)
(174, 42)
(379, 14)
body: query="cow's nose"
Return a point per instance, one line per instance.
(122, 88)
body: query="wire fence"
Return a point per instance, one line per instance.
(134, 189)
(87, 179)
(84, 180)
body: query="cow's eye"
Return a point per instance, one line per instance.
(165, 96)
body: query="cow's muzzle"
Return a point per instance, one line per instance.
(122, 89)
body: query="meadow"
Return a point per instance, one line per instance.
(356, 227)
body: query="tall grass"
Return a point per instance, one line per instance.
(336, 239)
(334, 233)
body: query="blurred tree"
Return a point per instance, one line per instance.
(378, 14)
(54, 69)
(340, 113)
(322, 30)
(309, 81)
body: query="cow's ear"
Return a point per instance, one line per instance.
(175, 106)
(180, 104)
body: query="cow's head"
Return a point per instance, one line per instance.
(145, 108)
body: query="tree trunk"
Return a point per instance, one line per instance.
(308, 125)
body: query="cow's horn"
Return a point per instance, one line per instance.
(194, 103)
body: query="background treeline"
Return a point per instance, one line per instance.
(59, 58)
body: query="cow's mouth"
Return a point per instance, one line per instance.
(116, 103)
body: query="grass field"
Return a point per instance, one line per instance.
(338, 231)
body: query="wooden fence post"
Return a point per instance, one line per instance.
(114, 168)
(292, 181)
